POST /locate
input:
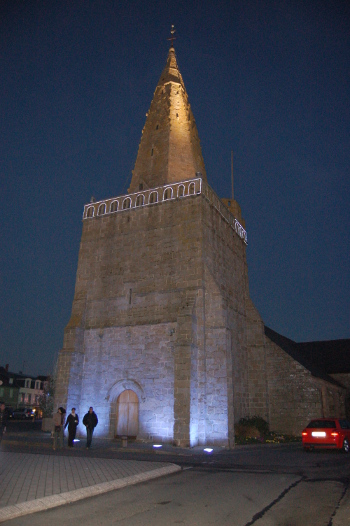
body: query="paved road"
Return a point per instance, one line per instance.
(197, 497)
(261, 485)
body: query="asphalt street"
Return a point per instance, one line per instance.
(266, 485)
(197, 497)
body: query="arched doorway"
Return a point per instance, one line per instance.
(127, 421)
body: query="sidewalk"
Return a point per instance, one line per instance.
(37, 481)
(40, 442)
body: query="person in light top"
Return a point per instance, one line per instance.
(58, 421)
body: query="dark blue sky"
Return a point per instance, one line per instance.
(266, 79)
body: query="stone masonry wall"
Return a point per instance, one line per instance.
(135, 265)
(294, 396)
(225, 330)
(144, 362)
(344, 380)
(65, 379)
(137, 269)
(166, 277)
(256, 364)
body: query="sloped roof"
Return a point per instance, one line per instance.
(301, 352)
(18, 377)
(332, 355)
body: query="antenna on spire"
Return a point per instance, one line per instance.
(232, 174)
(172, 32)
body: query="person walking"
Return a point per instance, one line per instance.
(58, 421)
(90, 421)
(72, 423)
(3, 419)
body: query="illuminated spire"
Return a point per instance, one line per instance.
(169, 149)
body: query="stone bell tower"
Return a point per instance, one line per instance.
(161, 321)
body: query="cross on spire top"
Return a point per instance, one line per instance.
(172, 32)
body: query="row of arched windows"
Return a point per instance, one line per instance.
(153, 197)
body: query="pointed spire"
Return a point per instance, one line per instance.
(169, 149)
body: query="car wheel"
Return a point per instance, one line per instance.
(346, 447)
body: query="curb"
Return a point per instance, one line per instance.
(33, 506)
(43, 445)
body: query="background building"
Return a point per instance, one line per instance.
(9, 389)
(18, 390)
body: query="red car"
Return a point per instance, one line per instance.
(327, 433)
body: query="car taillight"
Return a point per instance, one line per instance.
(334, 434)
(304, 433)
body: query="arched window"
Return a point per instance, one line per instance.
(153, 198)
(181, 191)
(168, 194)
(90, 212)
(140, 200)
(191, 189)
(114, 206)
(102, 209)
(126, 203)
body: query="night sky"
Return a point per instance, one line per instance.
(267, 79)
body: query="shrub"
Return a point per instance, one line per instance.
(255, 421)
(46, 400)
(246, 431)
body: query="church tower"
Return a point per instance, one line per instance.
(161, 324)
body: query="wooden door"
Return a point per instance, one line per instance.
(127, 423)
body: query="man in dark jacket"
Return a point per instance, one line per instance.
(3, 419)
(72, 423)
(90, 421)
